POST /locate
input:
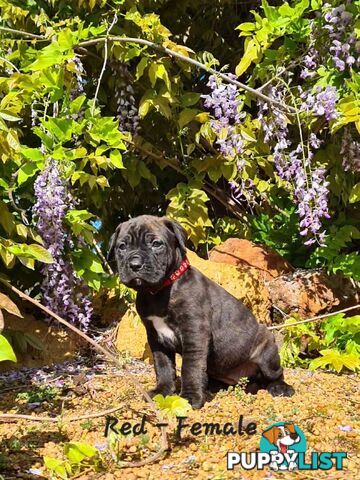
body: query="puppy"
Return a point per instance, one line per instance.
(185, 312)
(282, 436)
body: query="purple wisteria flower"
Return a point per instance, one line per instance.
(344, 47)
(310, 62)
(126, 109)
(350, 152)
(225, 105)
(62, 291)
(80, 78)
(321, 103)
(310, 186)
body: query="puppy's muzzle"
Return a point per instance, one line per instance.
(135, 263)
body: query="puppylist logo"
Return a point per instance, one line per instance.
(282, 448)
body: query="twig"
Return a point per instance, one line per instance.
(105, 262)
(23, 34)
(104, 63)
(281, 311)
(164, 440)
(10, 63)
(15, 416)
(314, 319)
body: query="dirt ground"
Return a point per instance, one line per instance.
(325, 407)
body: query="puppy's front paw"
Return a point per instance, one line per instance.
(196, 400)
(280, 389)
(163, 390)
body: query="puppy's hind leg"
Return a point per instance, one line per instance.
(266, 356)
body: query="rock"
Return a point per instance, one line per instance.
(245, 285)
(58, 344)
(245, 254)
(309, 292)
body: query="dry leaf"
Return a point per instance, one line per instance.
(9, 305)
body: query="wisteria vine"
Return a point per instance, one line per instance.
(62, 291)
(294, 159)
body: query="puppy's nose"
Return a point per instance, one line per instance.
(135, 263)
(293, 436)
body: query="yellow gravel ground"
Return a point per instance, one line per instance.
(323, 402)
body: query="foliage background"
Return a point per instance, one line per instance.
(64, 94)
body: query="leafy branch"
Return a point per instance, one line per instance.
(171, 53)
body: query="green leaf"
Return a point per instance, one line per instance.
(6, 351)
(57, 466)
(158, 70)
(8, 116)
(251, 54)
(39, 253)
(34, 154)
(76, 452)
(6, 218)
(172, 405)
(246, 27)
(76, 104)
(140, 68)
(190, 98)
(61, 128)
(47, 57)
(186, 116)
(355, 194)
(33, 341)
(336, 359)
(85, 259)
(116, 159)
(27, 171)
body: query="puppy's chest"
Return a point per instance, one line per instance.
(165, 330)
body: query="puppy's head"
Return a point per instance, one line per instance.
(147, 250)
(282, 436)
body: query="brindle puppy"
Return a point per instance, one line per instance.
(217, 336)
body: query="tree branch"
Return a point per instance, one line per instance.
(314, 319)
(191, 61)
(22, 34)
(171, 53)
(60, 418)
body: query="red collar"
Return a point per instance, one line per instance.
(184, 265)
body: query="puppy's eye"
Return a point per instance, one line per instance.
(156, 243)
(122, 246)
(280, 435)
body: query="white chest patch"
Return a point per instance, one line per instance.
(162, 329)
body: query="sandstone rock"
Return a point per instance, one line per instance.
(245, 254)
(58, 344)
(245, 285)
(309, 292)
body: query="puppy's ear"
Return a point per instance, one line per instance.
(271, 435)
(290, 426)
(112, 242)
(178, 231)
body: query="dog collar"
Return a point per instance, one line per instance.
(184, 265)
